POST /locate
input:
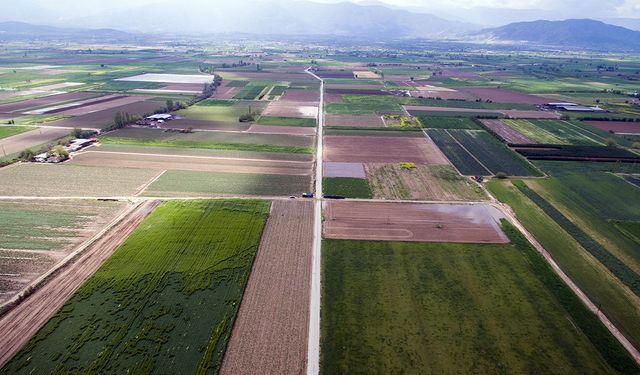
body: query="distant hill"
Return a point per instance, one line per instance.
(280, 17)
(583, 34)
(26, 31)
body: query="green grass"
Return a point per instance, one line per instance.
(211, 184)
(250, 92)
(453, 113)
(165, 301)
(630, 229)
(8, 131)
(287, 121)
(431, 122)
(402, 307)
(558, 132)
(471, 104)
(220, 110)
(364, 104)
(207, 145)
(212, 140)
(347, 187)
(44, 225)
(606, 291)
(592, 202)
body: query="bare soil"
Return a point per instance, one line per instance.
(366, 121)
(192, 163)
(285, 108)
(505, 96)
(623, 127)
(271, 330)
(512, 113)
(389, 221)
(424, 182)
(506, 132)
(274, 129)
(23, 141)
(365, 149)
(354, 170)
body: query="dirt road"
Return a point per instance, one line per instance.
(271, 331)
(19, 324)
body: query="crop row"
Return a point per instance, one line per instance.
(618, 268)
(462, 160)
(164, 302)
(493, 154)
(588, 323)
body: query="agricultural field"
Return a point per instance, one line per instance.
(270, 333)
(220, 110)
(32, 138)
(421, 182)
(184, 298)
(41, 180)
(556, 132)
(381, 149)
(8, 131)
(348, 187)
(479, 153)
(212, 184)
(431, 122)
(492, 308)
(390, 221)
(191, 163)
(619, 303)
(37, 235)
(211, 140)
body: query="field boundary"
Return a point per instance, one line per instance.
(506, 210)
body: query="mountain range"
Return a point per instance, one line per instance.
(369, 19)
(577, 33)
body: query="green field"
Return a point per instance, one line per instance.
(165, 301)
(431, 122)
(209, 184)
(558, 132)
(476, 152)
(8, 131)
(212, 140)
(605, 290)
(363, 105)
(220, 110)
(49, 225)
(347, 187)
(400, 307)
(286, 121)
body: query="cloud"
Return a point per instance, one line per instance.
(629, 9)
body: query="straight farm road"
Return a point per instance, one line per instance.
(313, 356)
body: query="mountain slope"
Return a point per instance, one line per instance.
(22, 31)
(584, 33)
(278, 17)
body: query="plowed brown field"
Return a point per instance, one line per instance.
(270, 332)
(363, 149)
(388, 221)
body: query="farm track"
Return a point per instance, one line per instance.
(271, 331)
(23, 321)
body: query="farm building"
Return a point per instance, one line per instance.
(572, 107)
(160, 116)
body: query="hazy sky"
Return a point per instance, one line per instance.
(475, 11)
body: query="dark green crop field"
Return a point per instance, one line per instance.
(165, 302)
(399, 307)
